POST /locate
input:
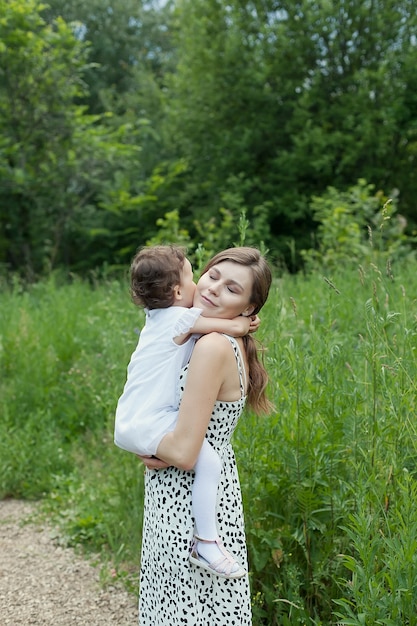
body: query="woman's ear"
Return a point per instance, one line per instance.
(248, 311)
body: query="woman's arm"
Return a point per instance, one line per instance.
(152, 462)
(208, 369)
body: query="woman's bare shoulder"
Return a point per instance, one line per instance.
(216, 339)
(214, 344)
(215, 360)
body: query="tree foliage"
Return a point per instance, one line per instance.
(56, 160)
(295, 97)
(114, 115)
(357, 224)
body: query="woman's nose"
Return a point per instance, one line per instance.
(213, 288)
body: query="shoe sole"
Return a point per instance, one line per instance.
(239, 574)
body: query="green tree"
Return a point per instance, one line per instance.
(292, 98)
(353, 113)
(128, 40)
(55, 160)
(238, 107)
(129, 49)
(218, 107)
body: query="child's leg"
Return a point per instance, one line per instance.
(204, 492)
(204, 498)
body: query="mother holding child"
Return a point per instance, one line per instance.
(188, 380)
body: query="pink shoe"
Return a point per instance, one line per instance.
(226, 566)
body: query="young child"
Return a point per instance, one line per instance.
(162, 282)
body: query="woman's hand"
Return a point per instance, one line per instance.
(152, 462)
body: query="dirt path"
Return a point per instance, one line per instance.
(46, 584)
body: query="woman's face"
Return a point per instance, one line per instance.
(224, 291)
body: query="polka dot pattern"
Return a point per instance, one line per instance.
(173, 592)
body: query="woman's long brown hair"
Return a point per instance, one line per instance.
(262, 278)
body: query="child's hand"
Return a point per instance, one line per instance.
(245, 324)
(254, 323)
(241, 326)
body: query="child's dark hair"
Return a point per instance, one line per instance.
(154, 273)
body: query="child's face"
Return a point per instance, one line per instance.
(187, 285)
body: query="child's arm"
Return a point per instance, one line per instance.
(237, 327)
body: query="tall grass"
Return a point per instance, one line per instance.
(328, 479)
(64, 350)
(339, 451)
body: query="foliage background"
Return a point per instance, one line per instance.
(290, 126)
(114, 115)
(328, 478)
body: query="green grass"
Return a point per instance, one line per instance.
(328, 479)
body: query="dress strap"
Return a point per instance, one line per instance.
(240, 365)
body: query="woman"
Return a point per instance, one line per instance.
(222, 374)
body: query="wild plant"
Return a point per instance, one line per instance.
(328, 478)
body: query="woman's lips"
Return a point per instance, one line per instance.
(207, 300)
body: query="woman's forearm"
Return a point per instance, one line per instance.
(176, 450)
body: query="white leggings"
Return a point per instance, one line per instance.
(204, 491)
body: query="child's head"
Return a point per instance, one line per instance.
(161, 276)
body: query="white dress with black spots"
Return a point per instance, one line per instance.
(173, 592)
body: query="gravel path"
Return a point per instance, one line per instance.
(46, 584)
